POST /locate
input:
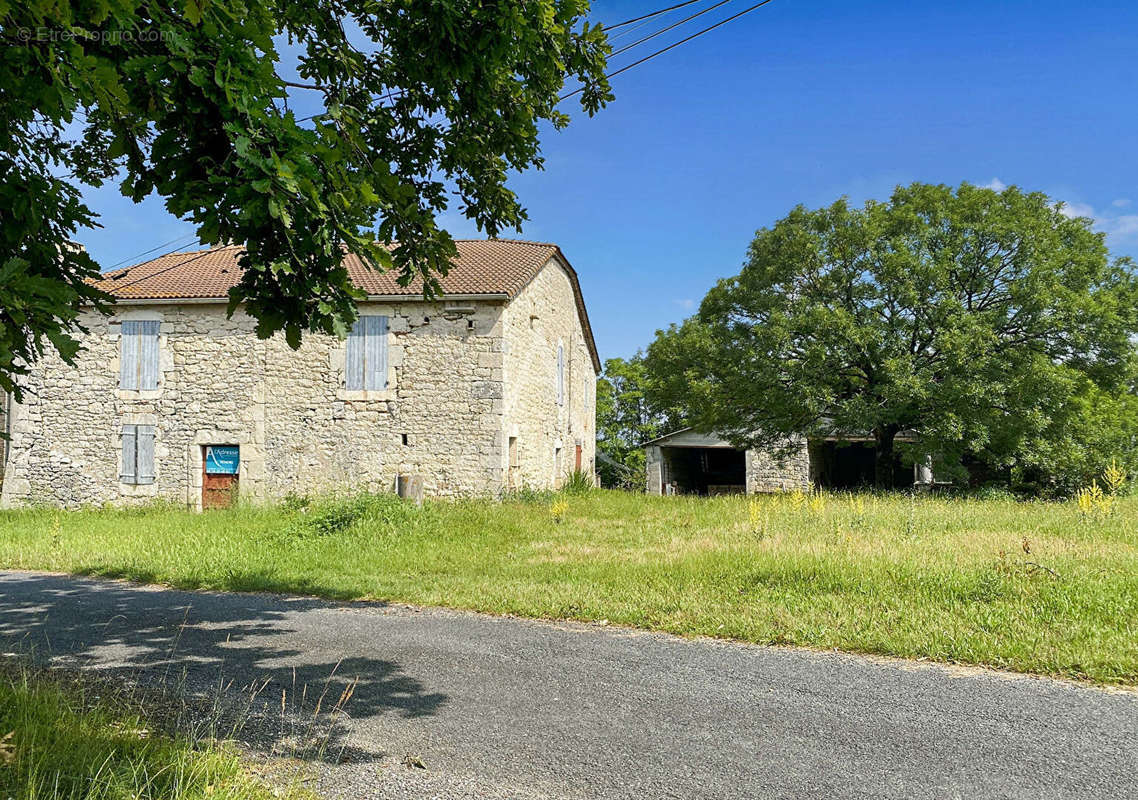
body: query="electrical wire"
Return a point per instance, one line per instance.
(643, 39)
(151, 250)
(203, 254)
(672, 46)
(563, 97)
(649, 16)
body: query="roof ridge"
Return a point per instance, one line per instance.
(511, 241)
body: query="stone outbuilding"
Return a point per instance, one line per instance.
(689, 462)
(490, 388)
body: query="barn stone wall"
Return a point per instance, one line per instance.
(297, 427)
(547, 434)
(765, 473)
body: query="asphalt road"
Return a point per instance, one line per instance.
(507, 708)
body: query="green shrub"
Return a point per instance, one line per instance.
(337, 513)
(578, 482)
(530, 497)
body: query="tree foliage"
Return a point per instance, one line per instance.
(625, 420)
(992, 324)
(427, 102)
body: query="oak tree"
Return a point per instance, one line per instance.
(424, 103)
(983, 321)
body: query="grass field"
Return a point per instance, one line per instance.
(61, 739)
(1034, 587)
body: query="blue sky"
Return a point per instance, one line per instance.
(658, 196)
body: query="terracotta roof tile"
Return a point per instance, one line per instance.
(498, 266)
(483, 266)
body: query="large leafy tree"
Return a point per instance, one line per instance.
(425, 102)
(986, 322)
(625, 420)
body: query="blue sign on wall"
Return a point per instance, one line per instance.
(222, 459)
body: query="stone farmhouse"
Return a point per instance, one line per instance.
(492, 387)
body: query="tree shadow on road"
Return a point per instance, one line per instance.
(236, 653)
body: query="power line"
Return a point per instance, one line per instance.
(643, 39)
(672, 46)
(151, 250)
(202, 254)
(566, 96)
(627, 31)
(649, 16)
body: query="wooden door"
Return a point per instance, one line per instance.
(219, 488)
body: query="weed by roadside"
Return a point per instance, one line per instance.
(66, 738)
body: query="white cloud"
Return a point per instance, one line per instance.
(1119, 228)
(1125, 226)
(1069, 209)
(687, 304)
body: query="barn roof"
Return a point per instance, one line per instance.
(491, 267)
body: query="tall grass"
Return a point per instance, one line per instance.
(1035, 587)
(65, 739)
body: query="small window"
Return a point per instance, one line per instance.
(366, 365)
(560, 375)
(138, 355)
(137, 454)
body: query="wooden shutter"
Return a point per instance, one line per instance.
(128, 474)
(354, 364)
(128, 355)
(145, 449)
(148, 354)
(560, 375)
(375, 355)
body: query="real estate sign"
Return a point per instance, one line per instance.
(222, 459)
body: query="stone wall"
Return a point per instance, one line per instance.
(765, 473)
(535, 324)
(297, 427)
(654, 468)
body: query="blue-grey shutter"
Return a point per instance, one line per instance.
(148, 354)
(375, 356)
(129, 449)
(354, 363)
(560, 375)
(145, 450)
(128, 355)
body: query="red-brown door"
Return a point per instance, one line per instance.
(219, 489)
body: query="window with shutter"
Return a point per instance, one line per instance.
(138, 355)
(365, 366)
(137, 454)
(148, 354)
(144, 470)
(129, 473)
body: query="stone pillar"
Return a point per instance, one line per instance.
(653, 467)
